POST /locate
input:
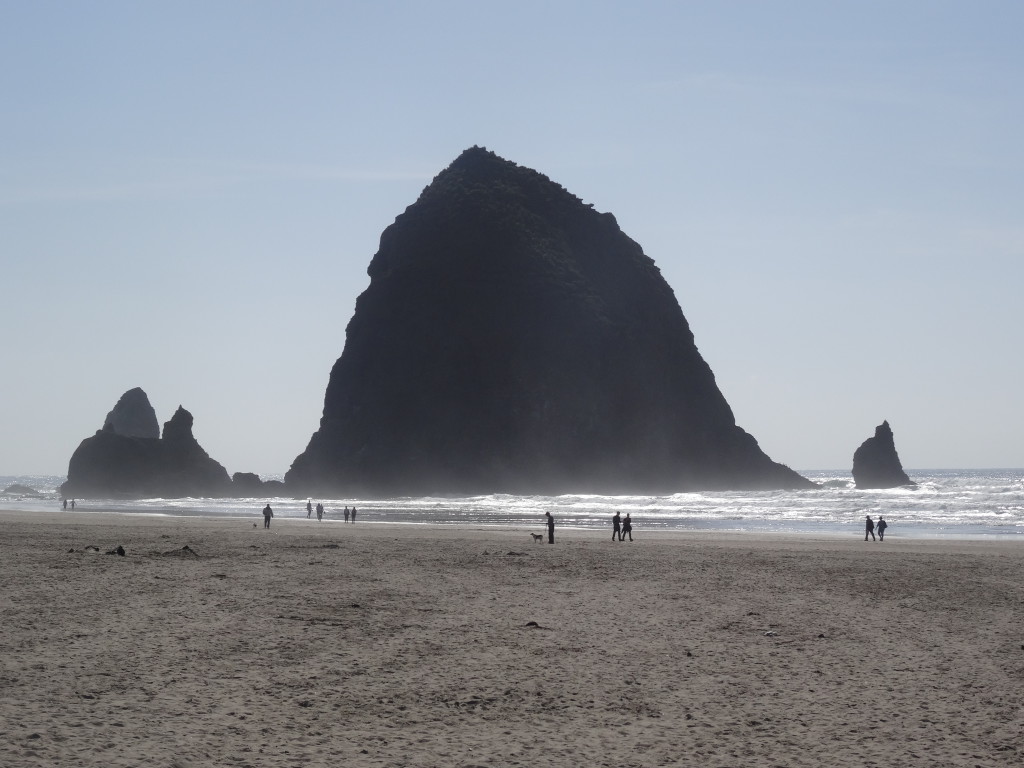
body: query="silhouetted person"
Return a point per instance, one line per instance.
(319, 512)
(616, 526)
(65, 503)
(627, 528)
(309, 509)
(353, 514)
(72, 505)
(869, 528)
(551, 527)
(882, 525)
(346, 514)
(267, 514)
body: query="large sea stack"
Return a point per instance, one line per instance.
(876, 463)
(513, 339)
(125, 458)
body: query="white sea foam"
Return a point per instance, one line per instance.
(955, 503)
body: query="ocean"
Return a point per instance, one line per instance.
(949, 503)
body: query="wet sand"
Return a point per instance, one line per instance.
(370, 645)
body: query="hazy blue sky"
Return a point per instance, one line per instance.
(190, 194)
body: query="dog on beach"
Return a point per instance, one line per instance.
(537, 536)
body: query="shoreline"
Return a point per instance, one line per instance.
(947, 505)
(112, 517)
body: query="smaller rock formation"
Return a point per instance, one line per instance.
(114, 464)
(133, 416)
(876, 463)
(19, 490)
(246, 483)
(187, 468)
(274, 488)
(249, 485)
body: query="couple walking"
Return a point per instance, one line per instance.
(621, 527)
(870, 527)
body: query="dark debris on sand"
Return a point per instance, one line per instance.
(185, 551)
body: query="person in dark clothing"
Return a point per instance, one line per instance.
(267, 514)
(627, 528)
(319, 512)
(882, 525)
(353, 514)
(869, 528)
(616, 526)
(309, 509)
(551, 527)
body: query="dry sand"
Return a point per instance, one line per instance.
(368, 645)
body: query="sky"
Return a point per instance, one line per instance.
(191, 192)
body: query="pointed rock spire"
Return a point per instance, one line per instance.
(876, 463)
(133, 416)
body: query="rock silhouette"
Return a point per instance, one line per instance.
(246, 483)
(133, 416)
(513, 339)
(112, 464)
(876, 463)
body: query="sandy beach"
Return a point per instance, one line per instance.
(371, 645)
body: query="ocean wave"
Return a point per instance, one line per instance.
(944, 502)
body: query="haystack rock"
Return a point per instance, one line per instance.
(876, 463)
(113, 464)
(133, 416)
(513, 339)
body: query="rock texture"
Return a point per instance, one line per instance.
(513, 339)
(112, 464)
(133, 416)
(876, 463)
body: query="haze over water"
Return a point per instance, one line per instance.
(979, 503)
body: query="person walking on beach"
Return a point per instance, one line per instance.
(869, 528)
(353, 514)
(551, 527)
(309, 508)
(616, 526)
(65, 503)
(319, 512)
(346, 514)
(72, 505)
(882, 525)
(267, 514)
(627, 528)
